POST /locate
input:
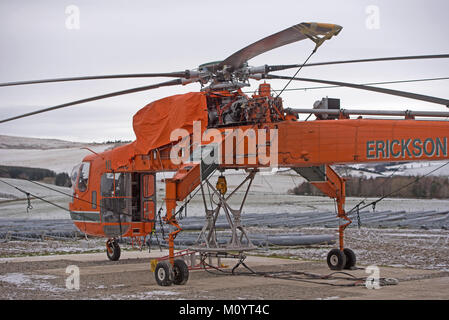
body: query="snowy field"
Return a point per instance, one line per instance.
(433, 168)
(268, 195)
(56, 155)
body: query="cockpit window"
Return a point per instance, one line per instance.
(107, 184)
(83, 178)
(74, 175)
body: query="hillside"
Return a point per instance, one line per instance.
(12, 142)
(56, 155)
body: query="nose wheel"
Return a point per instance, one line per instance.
(112, 250)
(341, 259)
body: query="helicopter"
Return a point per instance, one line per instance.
(222, 128)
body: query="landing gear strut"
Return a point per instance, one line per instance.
(330, 183)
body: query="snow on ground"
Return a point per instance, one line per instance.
(31, 282)
(419, 168)
(153, 295)
(51, 247)
(422, 168)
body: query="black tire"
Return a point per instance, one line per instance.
(164, 274)
(181, 272)
(336, 259)
(115, 254)
(350, 258)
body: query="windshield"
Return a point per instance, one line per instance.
(80, 176)
(74, 176)
(83, 178)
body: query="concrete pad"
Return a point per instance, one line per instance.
(131, 278)
(427, 289)
(86, 256)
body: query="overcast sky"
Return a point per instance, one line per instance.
(38, 41)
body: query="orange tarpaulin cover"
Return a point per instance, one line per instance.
(154, 123)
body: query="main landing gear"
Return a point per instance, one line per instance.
(167, 274)
(338, 259)
(331, 184)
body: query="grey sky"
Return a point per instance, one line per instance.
(154, 36)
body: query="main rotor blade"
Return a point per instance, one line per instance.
(295, 33)
(289, 66)
(180, 74)
(103, 96)
(375, 89)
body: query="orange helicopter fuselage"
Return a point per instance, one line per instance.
(124, 179)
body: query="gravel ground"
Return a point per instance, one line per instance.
(418, 255)
(411, 248)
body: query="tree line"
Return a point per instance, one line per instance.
(429, 187)
(36, 174)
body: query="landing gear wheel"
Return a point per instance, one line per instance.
(181, 272)
(112, 250)
(336, 259)
(164, 273)
(350, 258)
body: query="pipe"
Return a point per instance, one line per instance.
(371, 112)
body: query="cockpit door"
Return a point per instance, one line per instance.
(148, 196)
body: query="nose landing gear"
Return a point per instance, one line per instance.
(112, 250)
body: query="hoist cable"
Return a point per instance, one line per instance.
(35, 196)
